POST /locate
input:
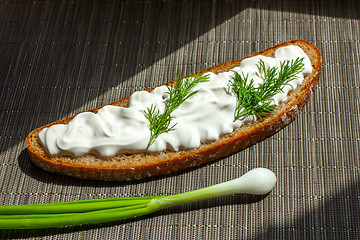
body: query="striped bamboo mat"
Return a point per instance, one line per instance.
(58, 58)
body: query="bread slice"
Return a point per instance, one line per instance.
(141, 165)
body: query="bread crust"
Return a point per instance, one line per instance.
(124, 167)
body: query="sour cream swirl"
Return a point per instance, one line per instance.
(203, 117)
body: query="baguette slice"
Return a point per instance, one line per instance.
(141, 165)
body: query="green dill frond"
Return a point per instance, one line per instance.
(158, 123)
(257, 101)
(178, 93)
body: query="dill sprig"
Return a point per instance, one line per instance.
(256, 101)
(182, 90)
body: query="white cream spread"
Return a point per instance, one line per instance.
(203, 117)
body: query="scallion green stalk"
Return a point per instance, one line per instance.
(46, 215)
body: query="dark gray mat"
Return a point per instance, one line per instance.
(58, 58)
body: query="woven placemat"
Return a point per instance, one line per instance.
(58, 58)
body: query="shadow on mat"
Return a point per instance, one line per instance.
(336, 217)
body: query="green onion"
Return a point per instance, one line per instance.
(46, 215)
